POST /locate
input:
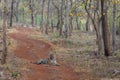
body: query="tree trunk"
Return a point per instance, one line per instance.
(4, 52)
(48, 15)
(42, 19)
(96, 24)
(105, 29)
(23, 16)
(58, 23)
(77, 22)
(11, 15)
(61, 18)
(66, 20)
(16, 11)
(58, 15)
(52, 27)
(88, 19)
(31, 12)
(114, 27)
(88, 24)
(71, 19)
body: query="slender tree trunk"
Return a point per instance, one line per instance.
(105, 29)
(96, 24)
(77, 22)
(66, 20)
(88, 24)
(42, 18)
(48, 16)
(37, 19)
(11, 15)
(58, 15)
(16, 11)
(98, 20)
(88, 18)
(4, 52)
(71, 19)
(23, 15)
(61, 18)
(100, 43)
(58, 23)
(31, 12)
(114, 28)
(52, 27)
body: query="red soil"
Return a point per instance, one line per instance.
(32, 50)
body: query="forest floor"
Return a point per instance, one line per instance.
(76, 56)
(33, 50)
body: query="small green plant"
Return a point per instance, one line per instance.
(15, 74)
(117, 53)
(56, 34)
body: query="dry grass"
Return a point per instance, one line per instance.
(15, 67)
(79, 51)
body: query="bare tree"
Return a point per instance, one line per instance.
(4, 27)
(95, 19)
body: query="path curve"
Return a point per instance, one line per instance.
(31, 50)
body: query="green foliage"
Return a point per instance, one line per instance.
(115, 1)
(38, 19)
(15, 74)
(56, 35)
(117, 53)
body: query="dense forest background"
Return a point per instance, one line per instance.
(102, 17)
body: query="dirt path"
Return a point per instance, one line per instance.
(31, 50)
